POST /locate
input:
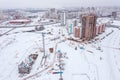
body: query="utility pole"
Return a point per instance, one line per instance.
(44, 54)
(43, 43)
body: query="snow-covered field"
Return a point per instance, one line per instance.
(97, 60)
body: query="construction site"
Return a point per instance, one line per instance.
(52, 46)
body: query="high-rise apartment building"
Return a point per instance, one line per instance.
(63, 19)
(88, 26)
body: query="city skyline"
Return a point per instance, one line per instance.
(56, 3)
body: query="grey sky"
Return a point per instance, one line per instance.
(55, 3)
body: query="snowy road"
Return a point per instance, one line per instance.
(112, 54)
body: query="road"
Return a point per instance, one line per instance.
(112, 49)
(7, 32)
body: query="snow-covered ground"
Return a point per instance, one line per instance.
(116, 23)
(97, 60)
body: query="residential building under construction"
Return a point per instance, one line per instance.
(88, 26)
(88, 29)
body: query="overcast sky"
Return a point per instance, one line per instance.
(56, 3)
